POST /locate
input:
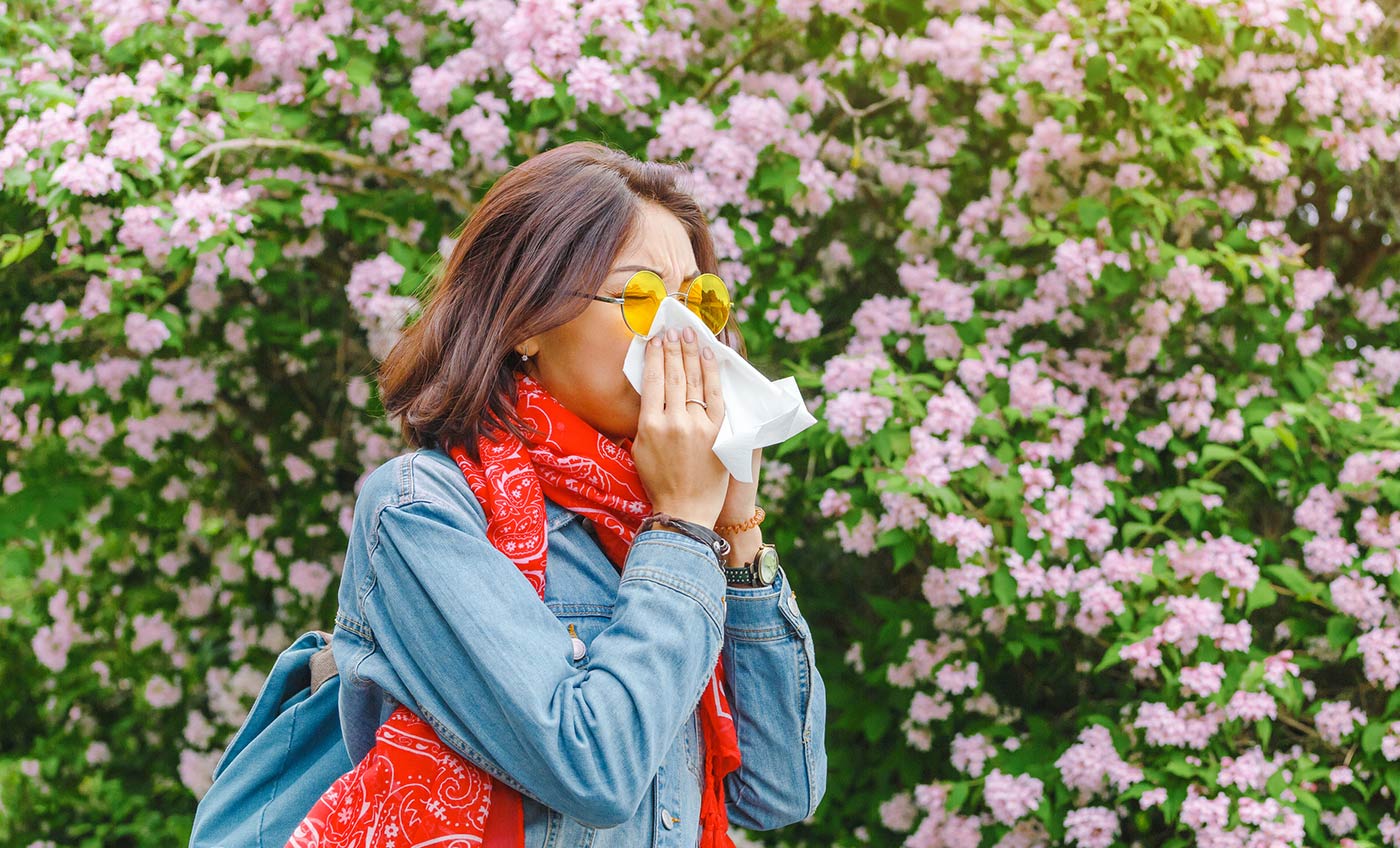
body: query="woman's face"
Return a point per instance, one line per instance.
(580, 362)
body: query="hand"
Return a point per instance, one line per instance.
(674, 448)
(742, 498)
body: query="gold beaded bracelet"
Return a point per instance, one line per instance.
(754, 521)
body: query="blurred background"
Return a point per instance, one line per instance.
(1096, 304)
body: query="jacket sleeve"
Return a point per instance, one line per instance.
(778, 700)
(480, 657)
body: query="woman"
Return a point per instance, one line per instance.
(634, 697)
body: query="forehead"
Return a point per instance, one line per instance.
(658, 240)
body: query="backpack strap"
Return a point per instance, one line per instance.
(322, 664)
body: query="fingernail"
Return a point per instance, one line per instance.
(708, 353)
(671, 335)
(689, 334)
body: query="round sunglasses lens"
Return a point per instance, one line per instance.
(708, 298)
(640, 301)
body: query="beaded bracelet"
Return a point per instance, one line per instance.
(754, 521)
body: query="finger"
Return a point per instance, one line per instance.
(675, 373)
(714, 394)
(653, 379)
(694, 379)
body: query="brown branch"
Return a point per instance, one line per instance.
(779, 33)
(361, 163)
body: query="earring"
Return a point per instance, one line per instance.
(524, 357)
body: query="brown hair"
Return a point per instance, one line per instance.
(549, 227)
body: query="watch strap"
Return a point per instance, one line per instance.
(742, 574)
(749, 571)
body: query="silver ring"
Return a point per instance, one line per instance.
(701, 402)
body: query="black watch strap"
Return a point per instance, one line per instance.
(742, 574)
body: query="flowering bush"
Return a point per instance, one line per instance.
(1097, 302)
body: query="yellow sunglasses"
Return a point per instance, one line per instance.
(706, 295)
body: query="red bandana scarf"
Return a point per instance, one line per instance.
(411, 788)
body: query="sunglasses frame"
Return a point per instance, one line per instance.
(683, 296)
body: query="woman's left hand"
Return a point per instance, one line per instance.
(742, 498)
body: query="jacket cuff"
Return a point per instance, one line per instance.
(680, 562)
(758, 612)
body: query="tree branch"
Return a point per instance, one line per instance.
(360, 163)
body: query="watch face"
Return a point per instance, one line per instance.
(767, 565)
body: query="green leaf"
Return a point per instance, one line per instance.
(1339, 630)
(1095, 71)
(1091, 212)
(1262, 595)
(1293, 579)
(874, 724)
(15, 248)
(1004, 586)
(360, 70)
(1110, 657)
(1253, 469)
(1214, 452)
(1372, 736)
(957, 794)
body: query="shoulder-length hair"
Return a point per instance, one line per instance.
(548, 228)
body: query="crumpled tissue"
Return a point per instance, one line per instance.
(757, 411)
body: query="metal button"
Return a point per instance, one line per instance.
(579, 648)
(667, 820)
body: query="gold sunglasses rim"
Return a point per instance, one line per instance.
(685, 295)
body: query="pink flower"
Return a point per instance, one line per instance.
(898, 813)
(311, 579)
(1251, 706)
(592, 81)
(1152, 798)
(857, 414)
(1011, 798)
(1203, 679)
(1335, 720)
(859, 540)
(970, 753)
(792, 325)
(90, 176)
(1091, 827)
(161, 693)
(956, 678)
(834, 504)
(145, 335)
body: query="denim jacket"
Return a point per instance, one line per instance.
(606, 749)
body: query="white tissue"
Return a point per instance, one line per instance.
(757, 411)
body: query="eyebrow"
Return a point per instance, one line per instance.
(693, 273)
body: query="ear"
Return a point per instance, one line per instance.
(529, 347)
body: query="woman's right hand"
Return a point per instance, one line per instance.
(674, 447)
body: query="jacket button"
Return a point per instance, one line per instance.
(667, 820)
(579, 648)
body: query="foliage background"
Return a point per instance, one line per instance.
(1096, 302)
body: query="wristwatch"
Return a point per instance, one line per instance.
(759, 572)
(706, 536)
